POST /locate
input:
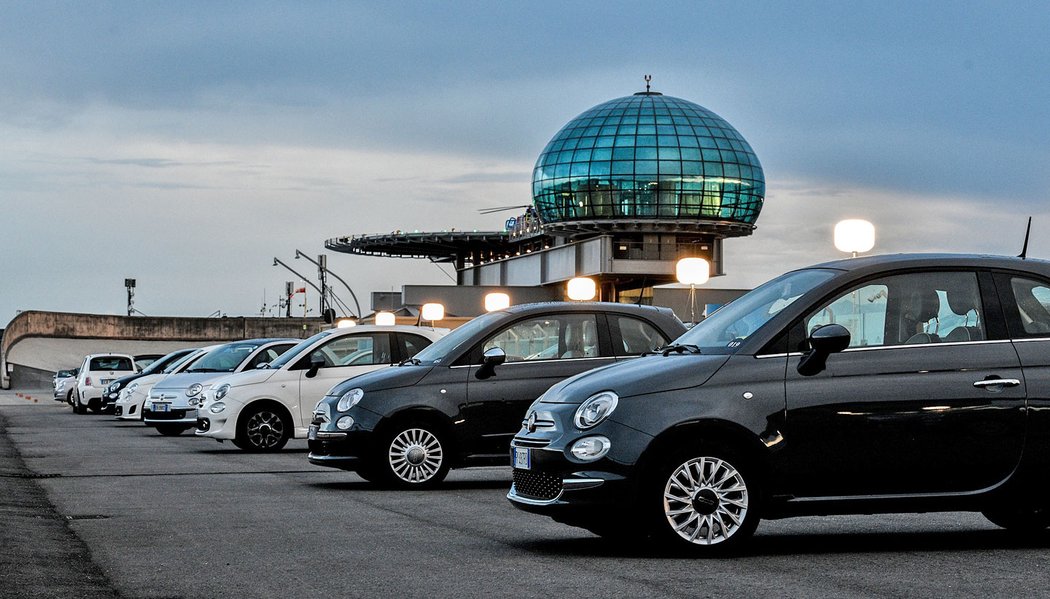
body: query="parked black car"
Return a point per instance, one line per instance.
(905, 383)
(460, 400)
(111, 393)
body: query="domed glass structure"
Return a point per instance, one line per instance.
(649, 156)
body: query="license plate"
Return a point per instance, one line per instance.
(161, 407)
(522, 458)
(106, 381)
(311, 435)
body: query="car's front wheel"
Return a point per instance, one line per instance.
(415, 456)
(1020, 519)
(77, 407)
(171, 430)
(706, 501)
(262, 428)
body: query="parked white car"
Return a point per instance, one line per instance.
(96, 372)
(64, 381)
(171, 406)
(132, 397)
(260, 410)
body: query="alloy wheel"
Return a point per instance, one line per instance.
(415, 455)
(265, 430)
(705, 500)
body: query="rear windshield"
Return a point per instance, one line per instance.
(111, 363)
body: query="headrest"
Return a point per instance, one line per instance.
(962, 299)
(921, 305)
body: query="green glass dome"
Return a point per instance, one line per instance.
(649, 156)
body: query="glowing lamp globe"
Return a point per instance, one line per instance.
(346, 323)
(692, 271)
(854, 236)
(432, 312)
(581, 289)
(385, 319)
(496, 301)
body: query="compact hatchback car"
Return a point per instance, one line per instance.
(152, 366)
(96, 373)
(171, 406)
(260, 410)
(63, 382)
(906, 383)
(133, 396)
(459, 401)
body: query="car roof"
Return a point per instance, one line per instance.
(554, 306)
(923, 260)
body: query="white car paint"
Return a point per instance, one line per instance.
(91, 382)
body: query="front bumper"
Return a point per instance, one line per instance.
(175, 414)
(345, 450)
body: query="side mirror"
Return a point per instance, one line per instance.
(262, 365)
(316, 363)
(493, 357)
(824, 341)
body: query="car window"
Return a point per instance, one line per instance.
(111, 363)
(413, 344)
(556, 337)
(1033, 305)
(637, 336)
(929, 307)
(354, 350)
(267, 355)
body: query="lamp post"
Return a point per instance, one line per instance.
(496, 300)
(385, 319)
(692, 272)
(581, 289)
(854, 236)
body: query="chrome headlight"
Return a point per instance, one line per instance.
(216, 407)
(344, 423)
(131, 388)
(589, 449)
(194, 389)
(222, 391)
(595, 409)
(350, 399)
(114, 387)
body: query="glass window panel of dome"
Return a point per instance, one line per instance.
(580, 169)
(604, 141)
(723, 143)
(561, 170)
(731, 171)
(646, 129)
(692, 168)
(627, 129)
(689, 153)
(602, 154)
(564, 156)
(581, 155)
(645, 153)
(625, 140)
(623, 167)
(645, 140)
(707, 141)
(666, 130)
(667, 140)
(608, 130)
(585, 142)
(645, 167)
(711, 155)
(623, 153)
(670, 167)
(592, 131)
(689, 141)
(669, 153)
(601, 169)
(713, 169)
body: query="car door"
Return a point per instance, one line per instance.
(344, 356)
(928, 398)
(541, 350)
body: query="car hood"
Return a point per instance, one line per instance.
(248, 377)
(184, 379)
(384, 378)
(649, 374)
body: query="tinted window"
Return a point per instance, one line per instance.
(548, 338)
(224, 359)
(111, 363)
(907, 309)
(1033, 306)
(355, 350)
(637, 336)
(413, 344)
(268, 355)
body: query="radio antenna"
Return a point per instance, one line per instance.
(1024, 248)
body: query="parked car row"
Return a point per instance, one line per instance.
(906, 383)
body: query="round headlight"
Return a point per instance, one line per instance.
(132, 387)
(595, 409)
(344, 423)
(222, 391)
(589, 449)
(114, 387)
(194, 389)
(216, 407)
(349, 399)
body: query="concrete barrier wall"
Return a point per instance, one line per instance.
(150, 334)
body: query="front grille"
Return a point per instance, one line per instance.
(536, 485)
(172, 415)
(527, 442)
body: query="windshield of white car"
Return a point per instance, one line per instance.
(297, 349)
(437, 352)
(725, 330)
(224, 359)
(177, 364)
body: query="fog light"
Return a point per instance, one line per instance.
(217, 407)
(344, 423)
(589, 449)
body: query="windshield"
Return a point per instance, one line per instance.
(437, 352)
(161, 364)
(225, 358)
(725, 330)
(297, 349)
(177, 364)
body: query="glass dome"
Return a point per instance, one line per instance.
(648, 156)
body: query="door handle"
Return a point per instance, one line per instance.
(996, 383)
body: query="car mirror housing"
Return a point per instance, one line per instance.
(493, 357)
(316, 362)
(823, 341)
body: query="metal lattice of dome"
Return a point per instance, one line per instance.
(646, 158)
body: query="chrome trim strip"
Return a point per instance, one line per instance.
(330, 435)
(575, 484)
(903, 346)
(1031, 340)
(513, 496)
(545, 361)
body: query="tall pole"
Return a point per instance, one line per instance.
(299, 254)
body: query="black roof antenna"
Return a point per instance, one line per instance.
(1024, 248)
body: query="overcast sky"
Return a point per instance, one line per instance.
(186, 144)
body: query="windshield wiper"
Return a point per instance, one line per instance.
(206, 370)
(412, 361)
(677, 348)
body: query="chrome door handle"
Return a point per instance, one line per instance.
(996, 383)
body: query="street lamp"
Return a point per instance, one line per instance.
(496, 301)
(345, 323)
(581, 289)
(385, 319)
(692, 272)
(431, 312)
(854, 236)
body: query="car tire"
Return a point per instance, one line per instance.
(69, 397)
(171, 430)
(261, 429)
(77, 407)
(1019, 519)
(705, 501)
(413, 455)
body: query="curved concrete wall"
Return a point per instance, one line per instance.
(52, 340)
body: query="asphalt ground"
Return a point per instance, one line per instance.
(92, 507)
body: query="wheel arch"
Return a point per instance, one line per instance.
(710, 432)
(426, 414)
(278, 407)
